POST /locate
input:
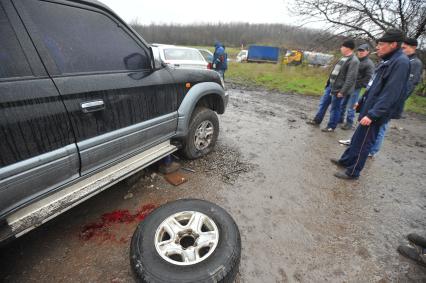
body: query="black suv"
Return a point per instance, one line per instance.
(83, 104)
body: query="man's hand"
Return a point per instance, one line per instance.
(214, 66)
(366, 121)
(340, 95)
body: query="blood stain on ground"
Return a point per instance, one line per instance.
(103, 229)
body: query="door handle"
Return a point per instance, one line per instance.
(92, 106)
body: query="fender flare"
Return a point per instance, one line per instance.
(191, 99)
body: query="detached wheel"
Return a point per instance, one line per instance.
(202, 135)
(186, 241)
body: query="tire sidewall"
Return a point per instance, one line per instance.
(201, 114)
(219, 266)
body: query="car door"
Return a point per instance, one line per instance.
(117, 104)
(37, 148)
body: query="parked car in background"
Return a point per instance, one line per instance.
(242, 56)
(180, 56)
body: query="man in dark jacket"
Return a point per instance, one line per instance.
(220, 59)
(409, 47)
(365, 71)
(385, 92)
(340, 83)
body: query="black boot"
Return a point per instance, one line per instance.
(336, 162)
(414, 253)
(344, 176)
(417, 240)
(312, 122)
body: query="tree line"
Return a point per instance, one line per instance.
(238, 34)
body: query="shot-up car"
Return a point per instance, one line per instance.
(83, 105)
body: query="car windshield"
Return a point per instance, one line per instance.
(182, 54)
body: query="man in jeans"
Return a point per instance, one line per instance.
(340, 83)
(365, 71)
(385, 92)
(409, 47)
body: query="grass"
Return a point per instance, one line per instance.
(296, 79)
(416, 104)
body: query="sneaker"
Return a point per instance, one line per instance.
(336, 162)
(345, 142)
(327, 130)
(344, 176)
(417, 240)
(371, 155)
(312, 122)
(346, 127)
(414, 253)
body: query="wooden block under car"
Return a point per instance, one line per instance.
(176, 178)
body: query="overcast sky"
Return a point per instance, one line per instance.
(193, 11)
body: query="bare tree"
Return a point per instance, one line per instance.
(366, 18)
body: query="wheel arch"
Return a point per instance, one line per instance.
(208, 94)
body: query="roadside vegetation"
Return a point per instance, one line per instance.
(303, 80)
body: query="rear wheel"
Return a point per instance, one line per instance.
(202, 135)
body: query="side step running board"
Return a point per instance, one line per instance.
(39, 212)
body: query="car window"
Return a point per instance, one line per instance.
(12, 59)
(207, 56)
(182, 54)
(80, 40)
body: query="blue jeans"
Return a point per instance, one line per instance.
(356, 154)
(325, 101)
(349, 102)
(380, 138)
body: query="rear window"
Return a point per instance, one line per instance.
(182, 54)
(81, 40)
(12, 59)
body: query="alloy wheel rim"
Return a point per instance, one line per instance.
(186, 238)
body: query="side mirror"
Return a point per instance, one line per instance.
(155, 53)
(135, 61)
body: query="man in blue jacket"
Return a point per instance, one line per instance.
(220, 58)
(380, 103)
(409, 47)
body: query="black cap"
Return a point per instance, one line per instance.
(349, 44)
(392, 35)
(411, 41)
(364, 47)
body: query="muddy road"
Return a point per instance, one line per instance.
(272, 172)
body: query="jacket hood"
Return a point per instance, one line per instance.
(218, 44)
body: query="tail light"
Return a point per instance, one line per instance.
(209, 66)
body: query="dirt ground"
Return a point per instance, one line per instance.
(272, 172)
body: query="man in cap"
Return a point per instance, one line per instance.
(409, 47)
(340, 83)
(384, 93)
(365, 71)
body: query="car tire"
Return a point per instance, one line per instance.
(196, 144)
(153, 244)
